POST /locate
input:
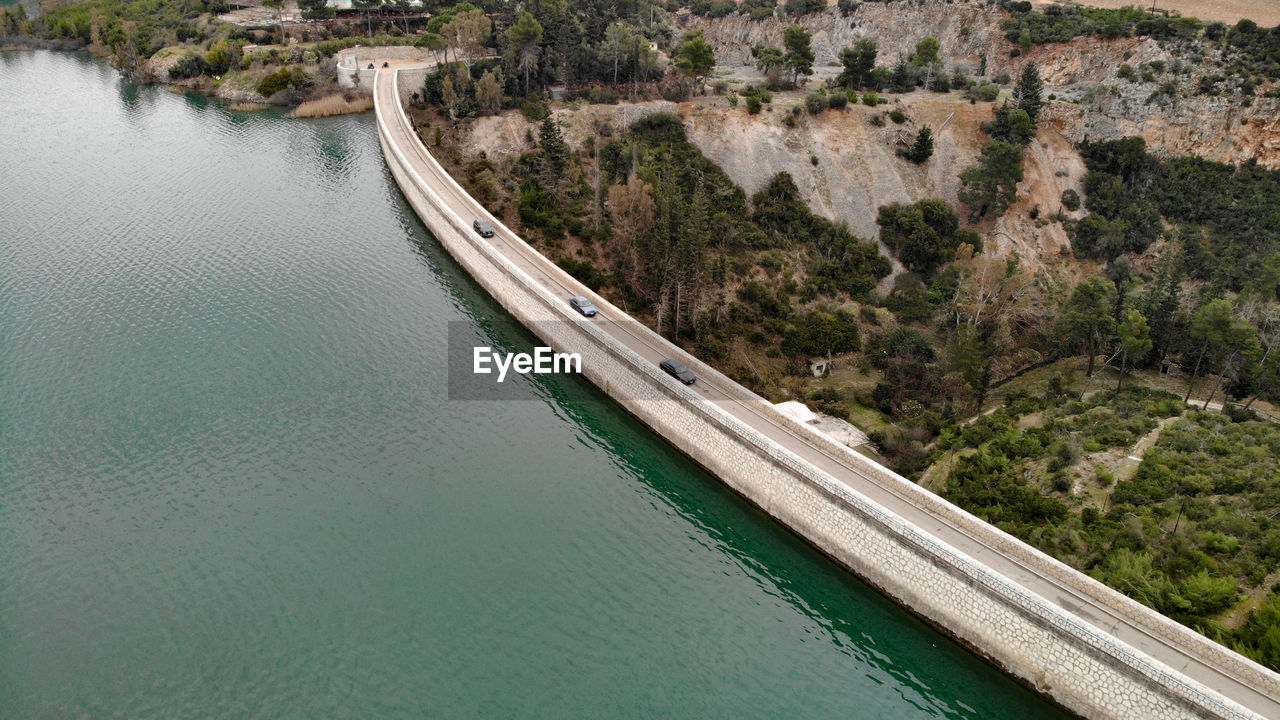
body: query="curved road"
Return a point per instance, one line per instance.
(1265, 701)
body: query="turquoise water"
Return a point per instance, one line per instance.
(231, 485)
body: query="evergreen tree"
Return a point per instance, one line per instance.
(695, 57)
(1086, 316)
(990, 186)
(1160, 306)
(799, 56)
(316, 9)
(523, 40)
(902, 80)
(553, 147)
(489, 93)
(1012, 125)
(1135, 340)
(1028, 91)
(923, 148)
(768, 58)
(858, 62)
(926, 53)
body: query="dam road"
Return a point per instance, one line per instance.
(1088, 647)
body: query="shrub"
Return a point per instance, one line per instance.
(837, 101)
(1071, 199)
(535, 111)
(897, 116)
(601, 95)
(753, 104)
(189, 66)
(815, 103)
(281, 80)
(870, 99)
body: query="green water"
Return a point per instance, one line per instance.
(231, 485)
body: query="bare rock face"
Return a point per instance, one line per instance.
(1096, 105)
(965, 31)
(1214, 128)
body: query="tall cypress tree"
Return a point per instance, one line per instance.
(553, 145)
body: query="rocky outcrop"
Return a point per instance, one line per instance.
(965, 31)
(1214, 128)
(1082, 74)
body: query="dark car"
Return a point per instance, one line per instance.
(583, 306)
(677, 370)
(483, 227)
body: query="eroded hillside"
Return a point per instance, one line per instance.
(846, 166)
(1093, 102)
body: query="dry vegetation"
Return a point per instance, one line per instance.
(331, 105)
(249, 107)
(1263, 12)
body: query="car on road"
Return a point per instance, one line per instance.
(483, 227)
(583, 306)
(677, 370)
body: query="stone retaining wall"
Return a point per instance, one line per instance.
(1073, 663)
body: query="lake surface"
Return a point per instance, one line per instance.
(231, 484)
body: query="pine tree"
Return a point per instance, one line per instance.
(314, 10)
(1135, 340)
(695, 57)
(923, 148)
(1028, 91)
(902, 80)
(799, 57)
(1086, 316)
(858, 62)
(523, 39)
(553, 145)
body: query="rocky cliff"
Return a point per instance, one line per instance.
(1094, 103)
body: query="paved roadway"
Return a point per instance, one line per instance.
(647, 345)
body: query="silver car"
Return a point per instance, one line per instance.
(583, 306)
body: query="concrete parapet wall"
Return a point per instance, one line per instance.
(357, 59)
(1082, 668)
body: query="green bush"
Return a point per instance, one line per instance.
(188, 66)
(282, 79)
(535, 111)
(1071, 199)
